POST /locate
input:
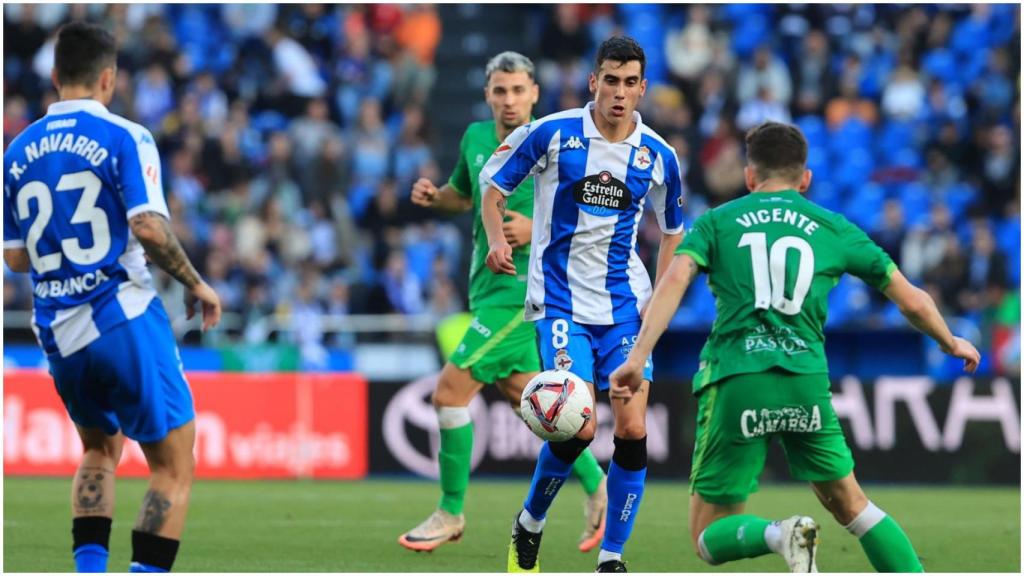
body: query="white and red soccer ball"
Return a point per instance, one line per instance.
(556, 404)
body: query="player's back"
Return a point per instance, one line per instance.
(772, 259)
(71, 182)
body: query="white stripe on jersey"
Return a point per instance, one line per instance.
(74, 329)
(544, 185)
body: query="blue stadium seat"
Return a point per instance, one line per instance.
(814, 130)
(853, 168)
(941, 63)
(917, 203)
(817, 162)
(894, 135)
(863, 205)
(420, 256)
(851, 134)
(825, 194)
(1008, 239)
(958, 198)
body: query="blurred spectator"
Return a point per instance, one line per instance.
(850, 104)
(295, 65)
(762, 108)
(722, 161)
(154, 96)
(903, 97)
(926, 246)
(310, 132)
(891, 234)
(765, 72)
(420, 32)
(812, 74)
(688, 50)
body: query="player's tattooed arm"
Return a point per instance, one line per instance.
(153, 230)
(502, 206)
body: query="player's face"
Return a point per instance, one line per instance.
(511, 96)
(617, 88)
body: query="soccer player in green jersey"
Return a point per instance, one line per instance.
(499, 347)
(771, 258)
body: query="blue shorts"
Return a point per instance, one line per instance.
(589, 351)
(129, 379)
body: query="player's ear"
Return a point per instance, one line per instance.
(805, 181)
(536, 93)
(592, 82)
(643, 87)
(750, 177)
(53, 78)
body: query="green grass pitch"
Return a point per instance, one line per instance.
(307, 526)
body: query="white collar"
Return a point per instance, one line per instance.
(80, 105)
(590, 129)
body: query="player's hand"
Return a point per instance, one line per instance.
(499, 258)
(424, 193)
(625, 380)
(204, 295)
(965, 350)
(517, 229)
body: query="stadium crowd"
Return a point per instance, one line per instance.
(291, 135)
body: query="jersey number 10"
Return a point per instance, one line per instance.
(770, 271)
(86, 213)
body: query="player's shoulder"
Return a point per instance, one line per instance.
(557, 120)
(139, 133)
(654, 141)
(26, 136)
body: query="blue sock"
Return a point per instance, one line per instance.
(548, 477)
(625, 490)
(91, 558)
(140, 567)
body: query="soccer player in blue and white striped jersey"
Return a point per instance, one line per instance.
(83, 206)
(595, 169)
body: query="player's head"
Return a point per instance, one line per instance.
(777, 155)
(617, 81)
(85, 58)
(511, 90)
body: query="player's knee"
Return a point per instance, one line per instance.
(449, 395)
(106, 449)
(632, 430)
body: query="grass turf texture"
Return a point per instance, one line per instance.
(307, 526)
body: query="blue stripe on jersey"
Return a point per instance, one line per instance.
(617, 281)
(565, 215)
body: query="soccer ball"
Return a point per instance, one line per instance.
(556, 404)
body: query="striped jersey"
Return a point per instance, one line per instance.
(588, 201)
(71, 181)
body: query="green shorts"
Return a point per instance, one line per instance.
(737, 418)
(497, 343)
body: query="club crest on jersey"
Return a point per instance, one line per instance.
(562, 359)
(602, 194)
(642, 158)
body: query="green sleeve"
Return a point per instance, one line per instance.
(699, 241)
(460, 179)
(865, 259)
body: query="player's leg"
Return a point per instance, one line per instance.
(729, 454)
(92, 498)
(627, 471)
(455, 389)
(586, 468)
(563, 338)
(161, 520)
(85, 394)
(884, 542)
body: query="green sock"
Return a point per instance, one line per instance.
(885, 543)
(589, 471)
(453, 461)
(734, 537)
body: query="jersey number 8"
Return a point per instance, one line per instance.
(86, 213)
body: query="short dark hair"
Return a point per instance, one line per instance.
(777, 150)
(83, 51)
(620, 49)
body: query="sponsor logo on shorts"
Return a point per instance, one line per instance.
(483, 330)
(562, 359)
(757, 423)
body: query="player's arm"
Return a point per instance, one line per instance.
(444, 199)
(154, 232)
(492, 213)
(920, 310)
(16, 259)
(660, 310)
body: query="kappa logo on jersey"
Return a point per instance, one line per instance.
(642, 158)
(601, 193)
(574, 143)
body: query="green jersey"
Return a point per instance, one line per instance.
(771, 260)
(487, 289)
